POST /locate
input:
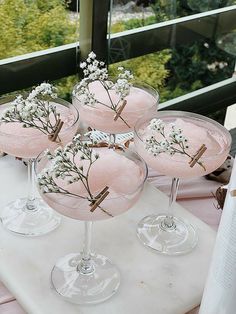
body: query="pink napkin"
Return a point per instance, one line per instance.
(194, 311)
(188, 188)
(5, 295)
(11, 308)
(8, 304)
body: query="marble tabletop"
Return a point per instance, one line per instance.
(150, 283)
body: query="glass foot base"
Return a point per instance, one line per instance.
(178, 239)
(16, 218)
(85, 288)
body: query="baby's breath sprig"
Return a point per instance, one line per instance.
(95, 70)
(35, 110)
(65, 166)
(173, 143)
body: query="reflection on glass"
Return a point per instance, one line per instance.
(227, 42)
(207, 5)
(182, 69)
(192, 60)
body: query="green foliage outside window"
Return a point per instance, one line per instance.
(150, 69)
(31, 25)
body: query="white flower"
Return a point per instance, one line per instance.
(164, 144)
(122, 87)
(33, 111)
(93, 76)
(77, 137)
(18, 101)
(174, 143)
(156, 125)
(92, 55)
(95, 70)
(95, 63)
(86, 72)
(83, 65)
(63, 166)
(44, 89)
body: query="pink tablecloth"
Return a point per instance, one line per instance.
(195, 195)
(8, 305)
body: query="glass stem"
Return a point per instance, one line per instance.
(168, 221)
(30, 204)
(112, 141)
(85, 266)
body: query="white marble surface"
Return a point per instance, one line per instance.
(150, 283)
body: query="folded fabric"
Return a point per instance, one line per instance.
(11, 308)
(196, 195)
(189, 188)
(203, 208)
(5, 295)
(194, 311)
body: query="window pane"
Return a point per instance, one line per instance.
(198, 52)
(132, 14)
(197, 6)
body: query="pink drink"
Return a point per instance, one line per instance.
(29, 142)
(139, 102)
(197, 131)
(123, 174)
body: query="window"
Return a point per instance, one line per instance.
(187, 45)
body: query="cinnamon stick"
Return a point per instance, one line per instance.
(120, 109)
(104, 144)
(53, 136)
(2, 153)
(100, 144)
(99, 194)
(127, 143)
(99, 201)
(233, 193)
(198, 155)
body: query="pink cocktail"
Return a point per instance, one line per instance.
(122, 175)
(179, 145)
(198, 132)
(23, 142)
(117, 174)
(141, 100)
(31, 216)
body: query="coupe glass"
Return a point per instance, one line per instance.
(141, 99)
(87, 278)
(164, 232)
(30, 216)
